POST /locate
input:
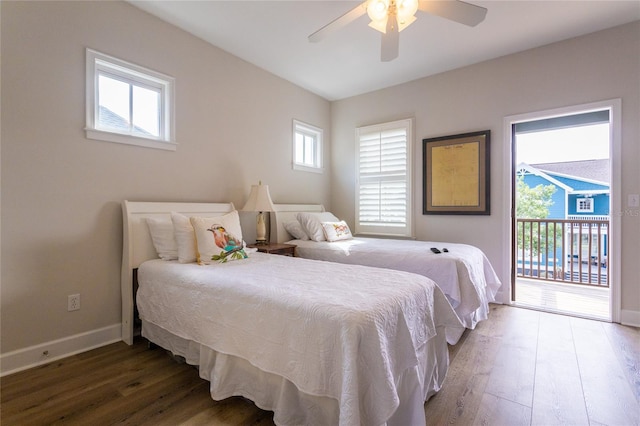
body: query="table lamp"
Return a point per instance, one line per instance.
(259, 201)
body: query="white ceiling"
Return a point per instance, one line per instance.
(273, 36)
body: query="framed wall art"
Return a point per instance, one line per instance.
(456, 174)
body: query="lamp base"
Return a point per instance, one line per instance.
(261, 242)
(261, 229)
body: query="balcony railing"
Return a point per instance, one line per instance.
(571, 251)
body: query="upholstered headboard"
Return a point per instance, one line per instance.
(285, 213)
(138, 247)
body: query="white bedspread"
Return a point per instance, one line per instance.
(464, 274)
(346, 332)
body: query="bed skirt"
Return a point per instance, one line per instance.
(233, 376)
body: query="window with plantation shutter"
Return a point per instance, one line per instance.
(383, 187)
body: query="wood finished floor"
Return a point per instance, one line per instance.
(519, 367)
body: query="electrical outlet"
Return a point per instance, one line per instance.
(633, 200)
(73, 302)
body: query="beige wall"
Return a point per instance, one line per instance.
(596, 67)
(61, 193)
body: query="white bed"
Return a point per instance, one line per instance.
(463, 273)
(312, 341)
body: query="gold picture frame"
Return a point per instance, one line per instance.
(456, 174)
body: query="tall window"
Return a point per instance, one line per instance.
(307, 147)
(127, 103)
(383, 187)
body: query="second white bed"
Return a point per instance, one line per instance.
(464, 273)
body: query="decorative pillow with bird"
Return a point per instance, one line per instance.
(231, 248)
(218, 239)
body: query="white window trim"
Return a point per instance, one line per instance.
(299, 126)
(582, 210)
(96, 61)
(407, 230)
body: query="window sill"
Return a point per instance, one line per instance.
(302, 168)
(130, 140)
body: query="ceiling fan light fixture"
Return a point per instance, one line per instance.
(378, 11)
(406, 9)
(392, 16)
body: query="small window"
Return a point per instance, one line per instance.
(584, 205)
(307, 147)
(128, 104)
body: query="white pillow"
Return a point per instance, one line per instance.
(185, 238)
(217, 235)
(336, 231)
(295, 229)
(163, 238)
(312, 223)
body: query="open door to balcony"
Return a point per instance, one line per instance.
(561, 230)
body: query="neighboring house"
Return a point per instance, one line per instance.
(582, 187)
(582, 194)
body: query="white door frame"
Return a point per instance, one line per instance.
(615, 109)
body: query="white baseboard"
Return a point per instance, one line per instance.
(631, 318)
(22, 359)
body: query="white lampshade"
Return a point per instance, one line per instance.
(259, 199)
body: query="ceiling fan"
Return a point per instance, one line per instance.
(392, 16)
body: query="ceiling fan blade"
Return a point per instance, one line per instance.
(455, 10)
(340, 22)
(390, 41)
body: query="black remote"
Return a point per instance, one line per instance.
(435, 250)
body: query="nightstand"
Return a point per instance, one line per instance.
(276, 248)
